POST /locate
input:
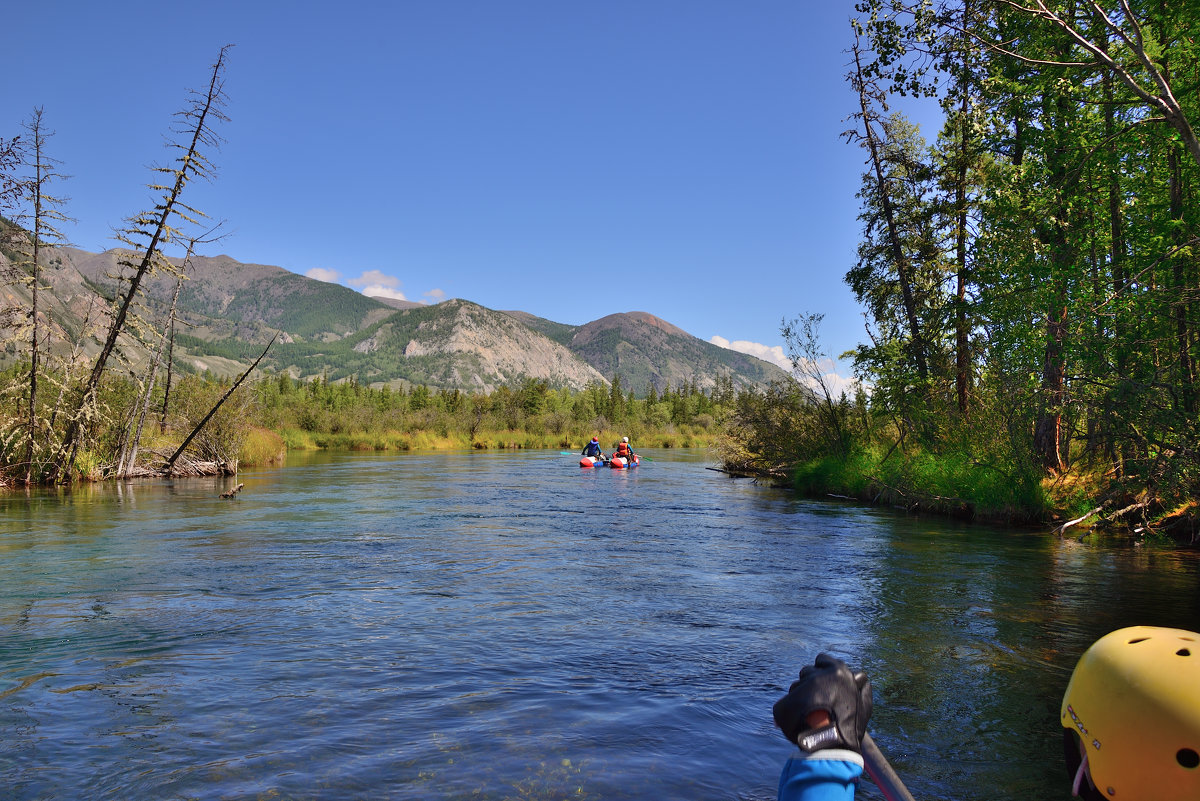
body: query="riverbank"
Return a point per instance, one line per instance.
(1075, 503)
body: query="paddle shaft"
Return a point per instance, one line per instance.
(879, 769)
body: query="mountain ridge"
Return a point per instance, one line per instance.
(230, 309)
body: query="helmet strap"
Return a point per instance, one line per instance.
(1079, 774)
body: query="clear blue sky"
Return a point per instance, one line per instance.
(569, 159)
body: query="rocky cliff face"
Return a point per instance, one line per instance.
(504, 349)
(648, 351)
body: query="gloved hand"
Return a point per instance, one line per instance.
(827, 685)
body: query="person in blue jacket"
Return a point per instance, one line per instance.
(593, 449)
(825, 714)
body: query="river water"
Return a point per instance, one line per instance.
(508, 626)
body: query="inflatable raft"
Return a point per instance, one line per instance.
(621, 463)
(591, 461)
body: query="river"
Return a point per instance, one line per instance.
(508, 626)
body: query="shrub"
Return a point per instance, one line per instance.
(262, 447)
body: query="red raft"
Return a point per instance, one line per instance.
(621, 463)
(591, 461)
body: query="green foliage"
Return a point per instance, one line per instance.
(1031, 289)
(348, 414)
(952, 484)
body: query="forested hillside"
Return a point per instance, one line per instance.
(252, 297)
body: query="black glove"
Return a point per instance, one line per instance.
(829, 685)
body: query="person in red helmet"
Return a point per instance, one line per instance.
(593, 449)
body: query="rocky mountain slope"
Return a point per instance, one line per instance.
(648, 351)
(229, 310)
(459, 344)
(231, 298)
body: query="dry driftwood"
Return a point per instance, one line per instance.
(1060, 529)
(184, 468)
(1117, 515)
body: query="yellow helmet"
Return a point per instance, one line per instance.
(1134, 703)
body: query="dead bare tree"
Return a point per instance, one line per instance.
(11, 182)
(168, 380)
(149, 232)
(46, 217)
(127, 455)
(130, 440)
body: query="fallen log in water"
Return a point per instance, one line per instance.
(233, 491)
(184, 468)
(188, 470)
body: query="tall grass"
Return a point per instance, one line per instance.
(950, 483)
(262, 447)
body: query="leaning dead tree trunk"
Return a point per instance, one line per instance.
(170, 465)
(156, 230)
(168, 378)
(206, 238)
(129, 447)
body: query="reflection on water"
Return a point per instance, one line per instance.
(497, 626)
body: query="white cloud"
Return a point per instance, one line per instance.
(435, 295)
(375, 279)
(839, 383)
(774, 354)
(379, 291)
(321, 274)
(768, 353)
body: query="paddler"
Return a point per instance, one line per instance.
(593, 449)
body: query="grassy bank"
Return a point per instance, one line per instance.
(1077, 503)
(954, 485)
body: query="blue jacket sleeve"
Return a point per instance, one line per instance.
(829, 775)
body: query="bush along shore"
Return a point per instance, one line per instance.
(844, 448)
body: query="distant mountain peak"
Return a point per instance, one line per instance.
(620, 319)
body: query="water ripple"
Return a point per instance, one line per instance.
(499, 626)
